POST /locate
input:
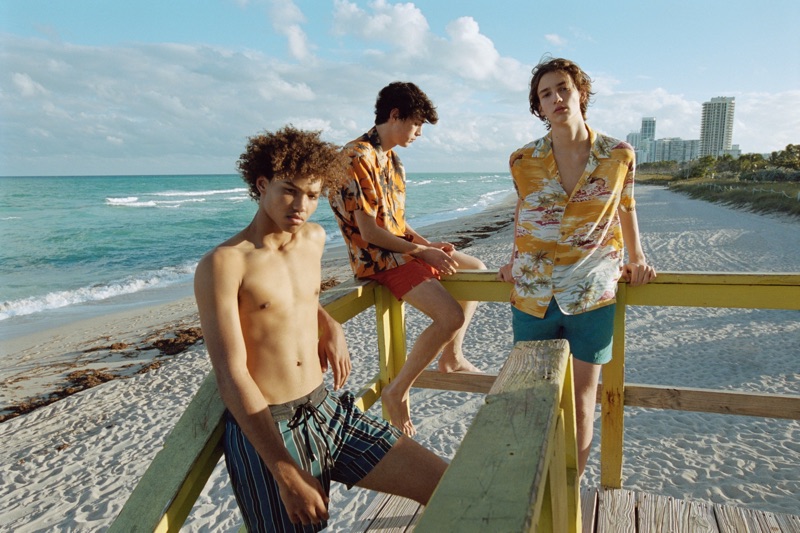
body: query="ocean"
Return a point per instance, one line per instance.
(74, 247)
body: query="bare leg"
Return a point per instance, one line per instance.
(409, 470)
(431, 298)
(585, 377)
(452, 359)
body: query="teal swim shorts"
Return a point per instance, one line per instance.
(589, 334)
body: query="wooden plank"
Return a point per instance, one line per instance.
(348, 299)
(664, 513)
(456, 381)
(571, 447)
(559, 497)
(695, 289)
(787, 523)
(735, 519)
(616, 511)
(767, 522)
(477, 285)
(494, 481)
(389, 514)
(612, 404)
(700, 517)
(728, 278)
(713, 401)
(166, 493)
(588, 509)
(729, 296)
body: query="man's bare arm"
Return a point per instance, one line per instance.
(332, 348)
(374, 234)
(636, 271)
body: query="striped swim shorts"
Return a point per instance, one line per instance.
(327, 435)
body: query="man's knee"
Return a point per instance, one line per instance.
(450, 318)
(468, 262)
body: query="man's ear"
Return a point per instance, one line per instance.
(394, 114)
(261, 184)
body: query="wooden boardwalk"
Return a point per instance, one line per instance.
(612, 511)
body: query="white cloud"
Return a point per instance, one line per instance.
(26, 86)
(162, 108)
(555, 40)
(403, 26)
(287, 19)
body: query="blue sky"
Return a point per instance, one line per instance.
(155, 87)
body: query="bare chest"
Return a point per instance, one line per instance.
(570, 169)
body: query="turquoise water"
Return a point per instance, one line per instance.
(72, 246)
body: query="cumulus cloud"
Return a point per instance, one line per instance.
(402, 26)
(287, 19)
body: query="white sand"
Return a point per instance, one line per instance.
(71, 465)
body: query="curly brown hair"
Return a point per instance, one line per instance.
(580, 79)
(291, 153)
(408, 99)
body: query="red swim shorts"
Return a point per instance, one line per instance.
(400, 280)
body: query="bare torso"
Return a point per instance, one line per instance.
(277, 303)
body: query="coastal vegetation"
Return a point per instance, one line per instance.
(752, 181)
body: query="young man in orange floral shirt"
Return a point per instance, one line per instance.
(370, 210)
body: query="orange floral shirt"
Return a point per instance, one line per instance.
(570, 247)
(377, 187)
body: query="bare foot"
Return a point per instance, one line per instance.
(457, 364)
(398, 410)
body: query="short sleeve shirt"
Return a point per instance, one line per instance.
(377, 186)
(570, 247)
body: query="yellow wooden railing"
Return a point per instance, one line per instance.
(166, 493)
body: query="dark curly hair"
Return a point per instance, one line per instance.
(408, 99)
(580, 79)
(291, 153)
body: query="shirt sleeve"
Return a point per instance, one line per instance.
(627, 202)
(361, 193)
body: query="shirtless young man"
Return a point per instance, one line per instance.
(370, 209)
(575, 215)
(286, 436)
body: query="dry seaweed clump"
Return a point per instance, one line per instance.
(183, 339)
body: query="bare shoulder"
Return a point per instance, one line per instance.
(314, 233)
(223, 261)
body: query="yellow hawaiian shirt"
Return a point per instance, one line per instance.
(377, 187)
(570, 247)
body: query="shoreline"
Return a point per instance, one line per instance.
(41, 368)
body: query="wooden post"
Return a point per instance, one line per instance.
(166, 493)
(391, 336)
(613, 401)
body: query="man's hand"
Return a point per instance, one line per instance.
(302, 495)
(446, 247)
(638, 273)
(438, 258)
(332, 349)
(504, 274)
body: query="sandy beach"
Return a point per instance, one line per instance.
(70, 465)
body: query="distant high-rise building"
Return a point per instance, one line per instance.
(716, 127)
(648, 129)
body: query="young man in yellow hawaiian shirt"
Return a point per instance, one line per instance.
(575, 215)
(370, 210)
